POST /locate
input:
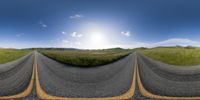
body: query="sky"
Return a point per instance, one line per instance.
(97, 24)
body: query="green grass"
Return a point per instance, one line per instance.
(175, 55)
(86, 58)
(7, 55)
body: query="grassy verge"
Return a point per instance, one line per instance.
(86, 58)
(183, 56)
(7, 55)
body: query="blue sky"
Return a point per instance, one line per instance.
(94, 24)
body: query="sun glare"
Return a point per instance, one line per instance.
(96, 35)
(97, 40)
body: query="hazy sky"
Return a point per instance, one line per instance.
(99, 23)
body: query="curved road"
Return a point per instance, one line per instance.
(103, 81)
(15, 76)
(110, 80)
(168, 80)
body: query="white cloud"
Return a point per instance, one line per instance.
(76, 35)
(127, 33)
(76, 16)
(19, 35)
(176, 41)
(133, 44)
(42, 24)
(77, 43)
(64, 33)
(70, 44)
(65, 41)
(168, 42)
(128, 45)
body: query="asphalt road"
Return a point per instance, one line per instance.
(62, 80)
(138, 96)
(168, 80)
(114, 79)
(15, 76)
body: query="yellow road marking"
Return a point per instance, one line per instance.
(25, 92)
(43, 95)
(146, 93)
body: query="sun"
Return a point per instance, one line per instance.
(97, 40)
(96, 36)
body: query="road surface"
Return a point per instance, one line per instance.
(75, 82)
(168, 80)
(61, 80)
(15, 76)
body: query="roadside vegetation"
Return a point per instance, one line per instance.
(86, 58)
(7, 55)
(183, 56)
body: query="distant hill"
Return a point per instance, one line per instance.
(52, 49)
(118, 48)
(109, 49)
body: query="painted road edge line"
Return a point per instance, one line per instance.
(44, 96)
(146, 93)
(27, 91)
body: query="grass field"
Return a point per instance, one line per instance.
(7, 55)
(183, 56)
(86, 58)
